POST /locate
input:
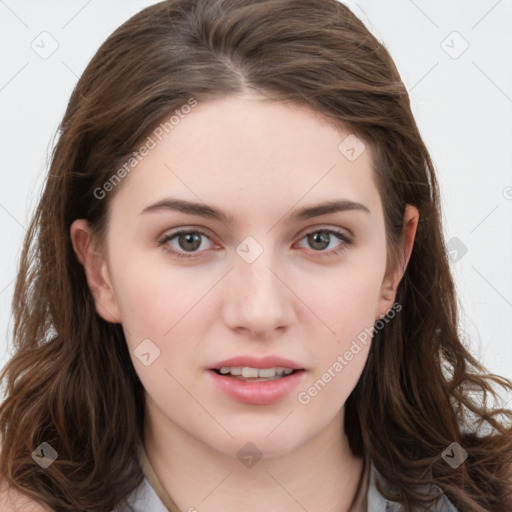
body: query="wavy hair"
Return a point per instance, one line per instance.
(71, 382)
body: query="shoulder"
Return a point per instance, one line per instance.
(12, 500)
(377, 502)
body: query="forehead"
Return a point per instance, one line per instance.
(245, 150)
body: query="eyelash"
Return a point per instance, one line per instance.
(334, 252)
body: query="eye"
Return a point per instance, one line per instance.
(321, 239)
(188, 241)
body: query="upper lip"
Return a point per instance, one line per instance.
(257, 362)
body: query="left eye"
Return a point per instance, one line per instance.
(190, 241)
(321, 239)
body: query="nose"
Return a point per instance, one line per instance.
(258, 298)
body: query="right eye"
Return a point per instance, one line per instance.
(188, 241)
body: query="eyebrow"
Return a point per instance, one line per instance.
(210, 212)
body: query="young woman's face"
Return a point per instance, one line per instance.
(261, 280)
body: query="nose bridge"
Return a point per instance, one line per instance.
(256, 276)
(260, 301)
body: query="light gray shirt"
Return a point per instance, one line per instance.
(145, 499)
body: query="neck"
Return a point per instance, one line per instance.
(321, 474)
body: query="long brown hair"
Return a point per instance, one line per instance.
(71, 382)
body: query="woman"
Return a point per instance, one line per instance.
(302, 353)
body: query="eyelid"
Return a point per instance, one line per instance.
(169, 235)
(345, 239)
(302, 233)
(325, 227)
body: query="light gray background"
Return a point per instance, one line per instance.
(461, 98)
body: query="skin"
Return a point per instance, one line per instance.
(13, 501)
(258, 162)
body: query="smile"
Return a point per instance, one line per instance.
(247, 373)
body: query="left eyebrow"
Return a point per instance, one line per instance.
(210, 212)
(335, 206)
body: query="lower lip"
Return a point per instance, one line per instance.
(257, 393)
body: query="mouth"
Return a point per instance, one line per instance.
(255, 385)
(250, 374)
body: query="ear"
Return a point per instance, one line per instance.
(96, 271)
(392, 278)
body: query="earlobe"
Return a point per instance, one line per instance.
(392, 280)
(387, 295)
(96, 271)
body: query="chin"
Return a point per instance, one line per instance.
(257, 442)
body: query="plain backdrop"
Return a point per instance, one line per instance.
(454, 58)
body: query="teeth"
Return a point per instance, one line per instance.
(248, 372)
(267, 372)
(235, 370)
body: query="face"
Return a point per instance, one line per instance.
(252, 277)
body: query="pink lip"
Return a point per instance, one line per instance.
(258, 362)
(257, 393)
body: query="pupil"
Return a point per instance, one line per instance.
(320, 237)
(189, 238)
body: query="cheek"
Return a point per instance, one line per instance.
(345, 302)
(161, 304)
(153, 298)
(339, 359)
